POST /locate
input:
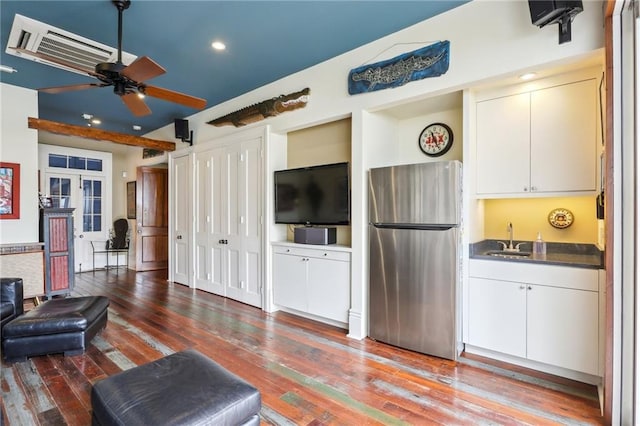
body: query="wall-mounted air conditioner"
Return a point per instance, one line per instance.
(36, 37)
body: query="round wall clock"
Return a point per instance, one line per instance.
(435, 139)
(560, 218)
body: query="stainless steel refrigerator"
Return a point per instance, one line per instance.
(414, 256)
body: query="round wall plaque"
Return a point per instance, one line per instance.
(560, 218)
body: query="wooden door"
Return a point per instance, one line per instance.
(152, 219)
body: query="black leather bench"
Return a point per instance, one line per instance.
(55, 326)
(185, 388)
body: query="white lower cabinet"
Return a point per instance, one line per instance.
(547, 314)
(498, 316)
(313, 280)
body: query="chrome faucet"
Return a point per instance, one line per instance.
(510, 228)
(510, 247)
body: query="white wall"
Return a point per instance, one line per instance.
(489, 40)
(19, 144)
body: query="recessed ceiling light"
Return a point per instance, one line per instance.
(136, 127)
(218, 45)
(96, 121)
(87, 116)
(527, 76)
(141, 95)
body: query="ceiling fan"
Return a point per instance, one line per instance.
(128, 81)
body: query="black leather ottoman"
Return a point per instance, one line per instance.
(185, 388)
(56, 326)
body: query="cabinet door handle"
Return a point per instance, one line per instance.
(534, 188)
(521, 287)
(529, 288)
(179, 237)
(525, 189)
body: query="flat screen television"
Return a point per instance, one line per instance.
(317, 195)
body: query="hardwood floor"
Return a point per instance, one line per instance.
(308, 373)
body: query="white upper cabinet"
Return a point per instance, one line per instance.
(503, 145)
(564, 138)
(540, 143)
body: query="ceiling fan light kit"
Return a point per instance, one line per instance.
(128, 81)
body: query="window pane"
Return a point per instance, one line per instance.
(54, 186)
(87, 206)
(57, 161)
(93, 164)
(65, 186)
(86, 223)
(97, 223)
(86, 188)
(97, 206)
(97, 188)
(77, 163)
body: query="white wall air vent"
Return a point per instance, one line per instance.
(38, 37)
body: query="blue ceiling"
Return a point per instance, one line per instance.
(266, 40)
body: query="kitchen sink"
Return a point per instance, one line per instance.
(509, 254)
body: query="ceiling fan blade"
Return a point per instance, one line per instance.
(142, 69)
(71, 87)
(175, 97)
(135, 104)
(55, 60)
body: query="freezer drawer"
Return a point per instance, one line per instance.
(413, 289)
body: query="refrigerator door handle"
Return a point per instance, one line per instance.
(418, 226)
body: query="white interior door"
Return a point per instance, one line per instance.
(86, 195)
(181, 267)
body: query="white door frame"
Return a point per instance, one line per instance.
(82, 246)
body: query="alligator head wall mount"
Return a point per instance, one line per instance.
(260, 111)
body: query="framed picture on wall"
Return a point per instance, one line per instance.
(9, 191)
(131, 200)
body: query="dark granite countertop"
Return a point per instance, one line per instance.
(563, 254)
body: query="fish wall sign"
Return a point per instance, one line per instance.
(428, 61)
(260, 111)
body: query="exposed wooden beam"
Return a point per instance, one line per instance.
(99, 135)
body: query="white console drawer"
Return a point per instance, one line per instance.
(320, 253)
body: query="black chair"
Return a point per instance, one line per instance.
(117, 244)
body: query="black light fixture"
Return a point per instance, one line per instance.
(562, 12)
(182, 130)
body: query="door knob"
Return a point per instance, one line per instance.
(81, 236)
(179, 237)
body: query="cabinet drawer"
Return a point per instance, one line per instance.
(313, 252)
(550, 275)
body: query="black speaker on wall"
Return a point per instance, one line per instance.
(182, 130)
(562, 12)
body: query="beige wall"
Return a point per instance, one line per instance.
(324, 144)
(530, 216)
